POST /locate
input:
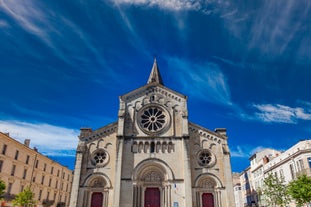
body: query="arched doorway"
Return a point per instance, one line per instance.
(152, 197)
(208, 191)
(151, 186)
(97, 199)
(207, 200)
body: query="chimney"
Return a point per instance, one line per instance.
(222, 131)
(84, 132)
(27, 142)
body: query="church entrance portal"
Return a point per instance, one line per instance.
(152, 197)
(97, 199)
(207, 200)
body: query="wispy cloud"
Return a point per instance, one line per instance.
(203, 80)
(50, 140)
(164, 4)
(246, 151)
(280, 113)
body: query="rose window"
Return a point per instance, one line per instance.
(153, 119)
(100, 157)
(205, 158)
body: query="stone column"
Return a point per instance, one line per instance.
(76, 176)
(187, 179)
(117, 186)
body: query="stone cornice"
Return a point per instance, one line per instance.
(101, 132)
(213, 136)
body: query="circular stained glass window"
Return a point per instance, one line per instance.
(153, 119)
(205, 158)
(100, 157)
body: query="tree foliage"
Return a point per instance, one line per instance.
(275, 191)
(24, 198)
(2, 187)
(300, 190)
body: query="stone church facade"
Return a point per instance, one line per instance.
(152, 156)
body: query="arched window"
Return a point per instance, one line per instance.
(152, 146)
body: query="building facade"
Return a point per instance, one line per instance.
(152, 156)
(21, 166)
(287, 165)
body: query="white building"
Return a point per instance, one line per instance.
(287, 165)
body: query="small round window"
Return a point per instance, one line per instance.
(100, 157)
(153, 119)
(206, 158)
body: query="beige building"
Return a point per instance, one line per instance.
(21, 166)
(287, 165)
(152, 156)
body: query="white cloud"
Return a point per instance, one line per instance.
(50, 140)
(246, 151)
(280, 113)
(174, 5)
(203, 80)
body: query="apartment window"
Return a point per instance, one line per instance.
(68, 177)
(50, 181)
(48, 196)
(309, 161)
(281, 174)
(301, 164)
(37, 163)
(16, 155)
(4, 149)
(291, 168)
(27, 159)
(40, 194)
(52, 169)
(13, 170)
(1, 164)
(54, 196)
(56, 183)
(42, 179)
(57, 173)
(25, 174)
(63, 175)
(10, 188)
(44, 168)
(22, 188)
(34, 179)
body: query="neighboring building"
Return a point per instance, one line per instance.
(238, 195)
(290, 164)
(237, 190)
(152, 156)
(21, 166)
(246, 187)
(287, 165)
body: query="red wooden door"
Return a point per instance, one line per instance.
(207, 200)
(97, 199)
(152, 197)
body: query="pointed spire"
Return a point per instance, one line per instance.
(155, 76)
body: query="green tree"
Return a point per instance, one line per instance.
(24, 198)
(2, 187)
(275, 191)
(300, 190)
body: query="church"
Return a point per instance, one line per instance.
(152, 156)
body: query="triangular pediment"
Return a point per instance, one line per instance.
(153, 88)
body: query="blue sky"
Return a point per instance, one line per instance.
(244, 65)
